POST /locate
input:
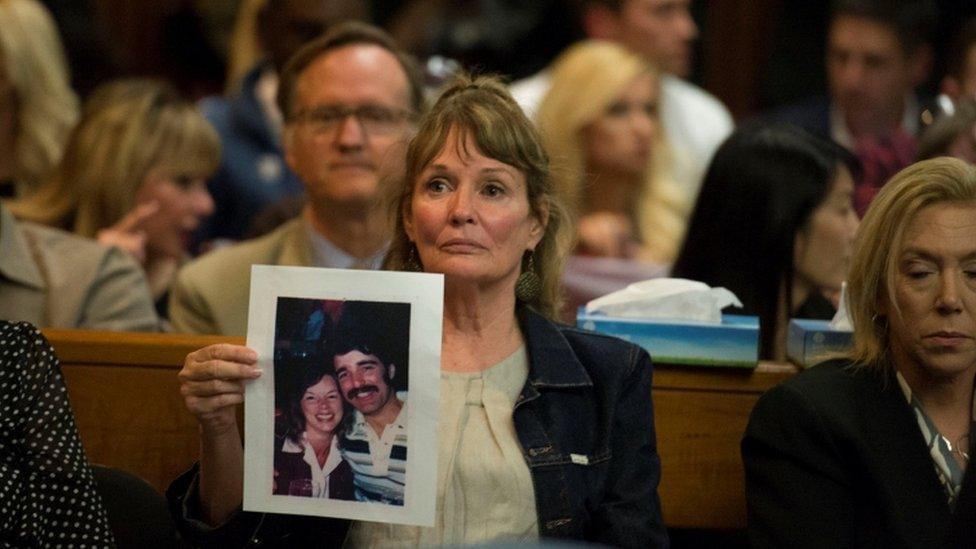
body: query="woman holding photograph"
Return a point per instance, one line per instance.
(544, 431)
(307, 460)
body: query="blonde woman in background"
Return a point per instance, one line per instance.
(601, 126)
(37, 105)
(133, 175)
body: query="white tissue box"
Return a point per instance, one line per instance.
(811, 342)
(733, 343)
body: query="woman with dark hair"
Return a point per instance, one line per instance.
(774, 224)
(307, 460)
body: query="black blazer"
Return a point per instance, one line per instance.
(834, 458)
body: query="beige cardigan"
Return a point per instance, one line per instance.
(52, 278)
(211, 294)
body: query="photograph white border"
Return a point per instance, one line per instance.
(425, 294)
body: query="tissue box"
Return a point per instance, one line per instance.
(733, 343)
(812, 341)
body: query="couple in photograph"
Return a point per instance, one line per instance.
(344, 425)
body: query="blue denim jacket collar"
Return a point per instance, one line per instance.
(553, 363)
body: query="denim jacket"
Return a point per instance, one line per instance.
(586, 426)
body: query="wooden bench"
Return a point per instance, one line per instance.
(126, 398)
(127, 404)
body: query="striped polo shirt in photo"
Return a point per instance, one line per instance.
(379, 463)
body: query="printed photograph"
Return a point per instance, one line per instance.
(327, 427)
(341, 375)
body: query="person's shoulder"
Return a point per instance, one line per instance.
(216, 109)
(685, 94)
(529, 92)
(830, 373)
(26, 355)
(237, 258)
(833, 384)
(54, 239)
(811, 114)
(579, 338)
(19, 335)
(78, 256)
(604, 355)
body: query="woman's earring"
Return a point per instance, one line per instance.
(528, 286)
(413, 262)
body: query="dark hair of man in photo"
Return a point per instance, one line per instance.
(380, 329)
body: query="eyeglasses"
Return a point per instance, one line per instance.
(374, 119)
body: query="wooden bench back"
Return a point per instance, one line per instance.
(128, 407)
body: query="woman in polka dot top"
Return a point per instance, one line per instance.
(47, 494)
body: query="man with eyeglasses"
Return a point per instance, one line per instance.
(252, 176)
(349, 99)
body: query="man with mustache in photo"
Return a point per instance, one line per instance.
(365, 361)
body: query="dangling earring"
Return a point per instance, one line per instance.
(528, 286)
(413, 263)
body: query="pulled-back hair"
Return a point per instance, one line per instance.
(480, 108)
(759, 192)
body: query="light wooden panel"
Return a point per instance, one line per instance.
(125, 394)
(126, 399)
(700, 416)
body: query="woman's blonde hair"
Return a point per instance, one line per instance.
(586, 80)
(129, 127)
(481, 109)
(874, 264)
(34, 62)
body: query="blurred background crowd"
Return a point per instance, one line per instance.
(151, 152)
(156, 128)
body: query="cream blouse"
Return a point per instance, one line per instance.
(484, 488)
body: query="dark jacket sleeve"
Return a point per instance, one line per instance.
(247, 529)
(183, 495)
(798, 492)
(630, 512)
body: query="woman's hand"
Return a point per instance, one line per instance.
(128, 234)
(212, 384)
(606, 234)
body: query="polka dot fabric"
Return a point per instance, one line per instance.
(47, 494)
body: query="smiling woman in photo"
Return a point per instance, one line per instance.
(307, 461)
